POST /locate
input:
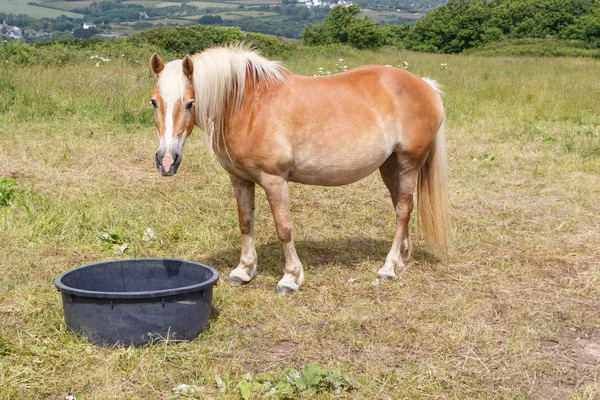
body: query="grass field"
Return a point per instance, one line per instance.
(255, 2)
(68, 5)
(256, 14)
(382, 16)
(165, 21)
(234, 14)
(512, 312)
(145, 3)
(207, 4)
(21, 7)
(71, 5)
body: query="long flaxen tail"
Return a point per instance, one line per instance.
(432, 193)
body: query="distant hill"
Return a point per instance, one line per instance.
(285, 18)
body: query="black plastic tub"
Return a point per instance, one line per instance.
(137, 301)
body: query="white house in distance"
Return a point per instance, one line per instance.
(323, 4)
(88, 25)
(341, 3)
(13, 32)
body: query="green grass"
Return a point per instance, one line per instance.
(522, 271)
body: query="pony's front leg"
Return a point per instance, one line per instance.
(277, 191)
(244, 194)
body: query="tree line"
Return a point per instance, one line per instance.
(464, 24)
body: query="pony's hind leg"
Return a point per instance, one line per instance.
(277, 191)
(244, 194)
(400, 177)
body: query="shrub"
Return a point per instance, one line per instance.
(586, 27)
(17, 52)
(81, 33)
(210, 19)
(318, 34)
(142, 25)
(269, 45)
(365, 34)
(343, 26)
(452, 28)
(395, 35)
(189, 40)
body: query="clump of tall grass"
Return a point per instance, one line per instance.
(7, 190)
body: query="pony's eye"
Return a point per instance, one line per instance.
(189, 105)
(154, 103)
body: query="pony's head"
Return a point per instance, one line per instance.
(173, 101)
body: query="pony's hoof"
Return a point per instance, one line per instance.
(240, 276)
(387, 272)
(235, 281)
(289, 284)
(284, 290)
(386, 276)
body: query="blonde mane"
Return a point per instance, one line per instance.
(220, 81)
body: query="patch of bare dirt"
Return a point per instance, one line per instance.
(577, 357)
(280, 352)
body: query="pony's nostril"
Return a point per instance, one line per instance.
(175, 158)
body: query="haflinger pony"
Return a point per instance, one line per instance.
(268, 126)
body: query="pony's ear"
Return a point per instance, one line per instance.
(156, 64)
(188, 67)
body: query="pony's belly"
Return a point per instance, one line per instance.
(323, 172)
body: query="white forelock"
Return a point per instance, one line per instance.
(171, 82)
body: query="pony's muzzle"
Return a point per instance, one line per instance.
(166, 163)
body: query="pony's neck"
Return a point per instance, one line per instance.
(222, 77)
